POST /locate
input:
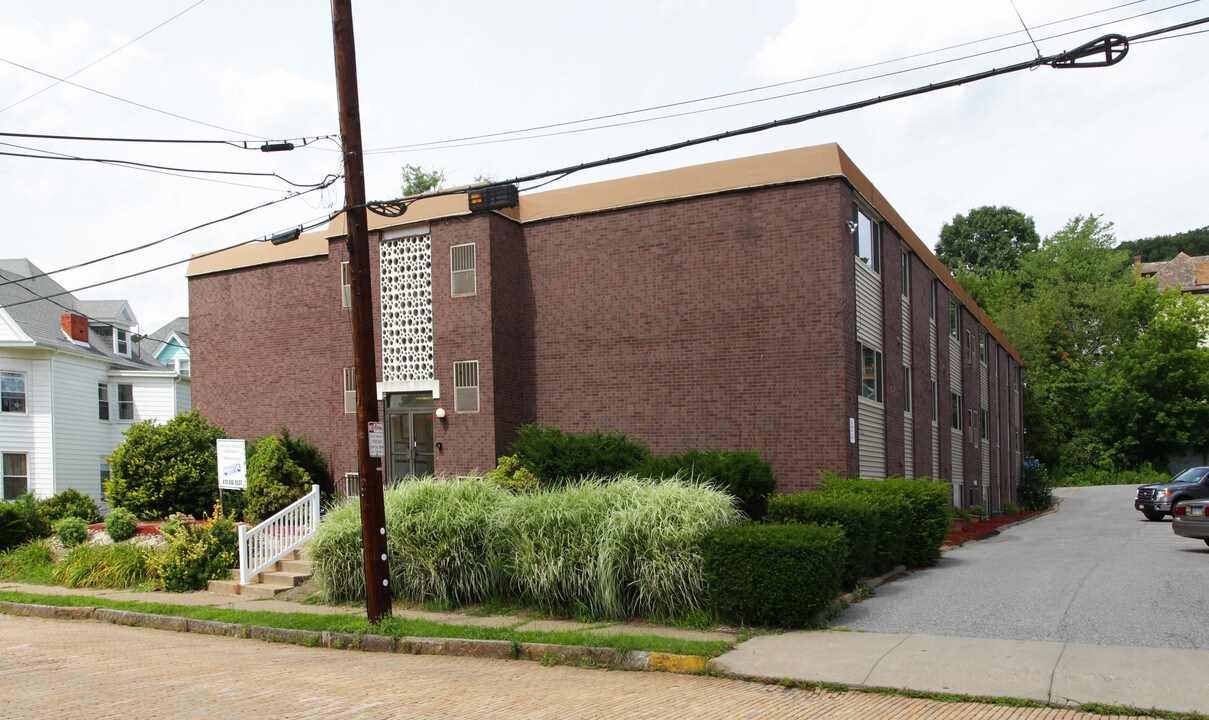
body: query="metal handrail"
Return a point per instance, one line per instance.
(278, 536)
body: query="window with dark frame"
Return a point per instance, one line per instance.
(955, 420)
(906, 274)
(907, 388)
(954, 320)
(125, 401)
(869, 369)
(12, 392)
(932, 290)
(983, 417)
(868, 241)
(103, 401)
(935, 404)
(16, 475)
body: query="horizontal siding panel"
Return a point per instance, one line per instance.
(907, 334)
(958, 467)
(29, 433)
(871, 439)
(955, 365)
(84, 439)
(908, 447)
(868, 306)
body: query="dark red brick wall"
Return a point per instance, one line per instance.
(716, 321)
(512, 332)
(892, 339)
(847, 307)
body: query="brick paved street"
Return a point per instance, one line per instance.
(77, 669)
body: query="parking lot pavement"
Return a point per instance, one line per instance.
(1094, 572)
(78, 669)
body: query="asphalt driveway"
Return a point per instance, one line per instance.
(1093, 572)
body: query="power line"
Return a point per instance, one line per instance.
(301, 229)
(186, 231)
(1108, 45)
(240, 144)
(51, 155)
(103, 57)
(130, 102)
(445, 144)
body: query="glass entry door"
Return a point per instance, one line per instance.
(409, 435)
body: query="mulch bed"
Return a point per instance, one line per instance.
(984, 528)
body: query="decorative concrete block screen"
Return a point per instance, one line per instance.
(407, 309)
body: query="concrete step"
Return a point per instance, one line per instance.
(262, 592)
(278, 578)
(299, 567)
(224, 587)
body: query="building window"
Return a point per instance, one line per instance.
(906, 274)
(906, 388)
(868, 241)
(352, 485)
(125, 402)
(955, 420)
(103, 401)
(954, 320)
(350, 391)
(16, 475)
(12, 392)
(935, 404)
(983, 423)
(105, 475)
(184, 366)
(121, 342)
(462, 276)
(982, 346)
(466, 386)
(869, 368)
(346, 285)
(932, 299)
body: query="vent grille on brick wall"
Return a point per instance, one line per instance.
(462, 279)
(466, 386)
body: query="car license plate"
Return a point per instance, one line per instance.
(1196, 511)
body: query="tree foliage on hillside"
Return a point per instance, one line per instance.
(988, 239)
(1165, 247)
(418, 179)
(1115, 375)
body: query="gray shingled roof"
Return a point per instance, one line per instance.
(42, 321)
(153, 343)
(1182, 270)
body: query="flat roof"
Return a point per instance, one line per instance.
(777, 168)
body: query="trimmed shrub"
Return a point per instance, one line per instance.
(742, 473)
(872, 526)
(71, 531)
(70, 503)
(162, 469)
(1035, 490)
(778, 575)
(930, 516)
(274, 481)
(556, 456)
(14, 528)
(197, 554)
(121, 524)
(311, 459)
(1010, 508)
(106, 566)
(510, 474)
(31, 510)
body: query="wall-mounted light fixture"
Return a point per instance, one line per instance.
(440, 413)
(851, 226)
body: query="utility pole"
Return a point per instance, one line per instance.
(373, 514)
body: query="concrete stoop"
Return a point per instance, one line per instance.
(288, 572)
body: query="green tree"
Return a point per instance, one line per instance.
(988, 238)
(274, 481)
(417, 179)
(162, 469)
(1165, 247)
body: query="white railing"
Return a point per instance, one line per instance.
(278, 536)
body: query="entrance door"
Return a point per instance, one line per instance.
(409, 436)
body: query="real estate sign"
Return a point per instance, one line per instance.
(232, 465)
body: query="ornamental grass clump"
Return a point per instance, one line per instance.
(335, 549)
(106, 566)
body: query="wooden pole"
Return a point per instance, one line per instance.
(373, 515)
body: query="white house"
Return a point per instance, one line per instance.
(73, 376)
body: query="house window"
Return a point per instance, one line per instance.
(462, 270)
(982, 346)
(183, 366)
(906, 274)
(12, 392)
(352, 485)
(103, 401)
(466, 386)
(125, 402)
(932, 299)
(955, 420)
(121, 342)
(935, 404)
(868, 241)
(869, 369)
(350, 391)
(346, 286)
(105, 475)
(954, 320)
(16, 475)
(906, 388)
(983, 423)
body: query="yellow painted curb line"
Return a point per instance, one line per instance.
(676, 663)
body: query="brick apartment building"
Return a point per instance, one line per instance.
(775, 302)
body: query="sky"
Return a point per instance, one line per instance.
(1129, 142)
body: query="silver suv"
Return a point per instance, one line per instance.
(1158, 499)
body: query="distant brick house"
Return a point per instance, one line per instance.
(775, 302)
(1188, 272)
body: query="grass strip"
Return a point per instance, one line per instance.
(395, 627)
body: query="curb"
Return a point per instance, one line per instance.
(545, 653)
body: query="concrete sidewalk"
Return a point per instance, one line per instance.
(1058, 673)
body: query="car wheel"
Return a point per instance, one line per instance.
(1153, 515)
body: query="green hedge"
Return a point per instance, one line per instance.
(929, 503)
(873, 527)
(556, 456)
(742, 473)
(780, 575)
(1035, 490)
(14, 528)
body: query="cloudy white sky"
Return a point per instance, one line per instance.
(1129, 142)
